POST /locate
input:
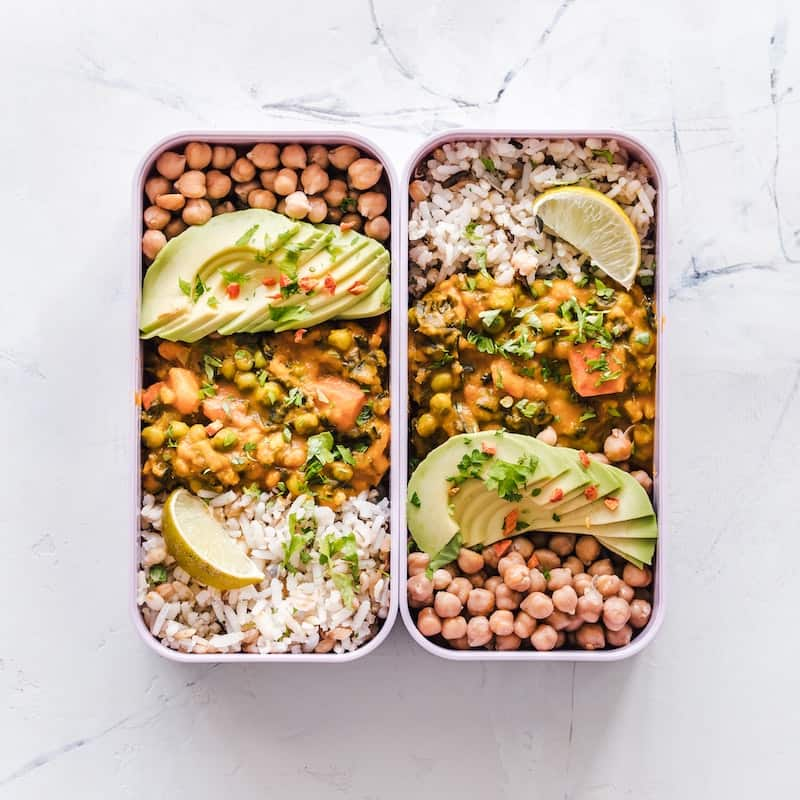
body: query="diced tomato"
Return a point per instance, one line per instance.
(591, 384)
(585, 460)
(611, 503)
(269, 281)
(299, 334)
(590, 492)
(487, 448)
(150, 394)
(501, 547)
(233, 290)
(214, 427)
(330, 283)
(357, 288)
(284, 280)
(307, 284)
(556, 495)
(510, 522)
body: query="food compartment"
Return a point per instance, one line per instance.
(263, 526)
(534, 266)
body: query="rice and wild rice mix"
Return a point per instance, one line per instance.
(326, 586)
(472, 208)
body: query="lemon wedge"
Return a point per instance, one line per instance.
(202, 546)
(596, 225)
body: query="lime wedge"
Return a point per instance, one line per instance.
(202, 546)
(596, 225)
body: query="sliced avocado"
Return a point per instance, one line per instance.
(641, 528)
(637, 551)
(183, 257)
(604, 481)
(595, 475)
(375, 303)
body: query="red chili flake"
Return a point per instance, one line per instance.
(307, 284)
(585, 460)
(611, 503)
(284, 280)
(214, 427)
(533, 561)
(233, 290)
(510, 524)
(590, 492)
(487, 448)
(357, 288)
(273, 296)
(269, 281)
(299, 334)
(557, 495)
(330, 283)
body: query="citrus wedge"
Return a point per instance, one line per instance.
(596, 225)
(202, 546)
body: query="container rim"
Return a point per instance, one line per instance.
(310, 136)
(644, 154)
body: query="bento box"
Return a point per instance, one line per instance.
(324, 570)
(463, 170)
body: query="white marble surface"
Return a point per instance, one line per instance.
(710, 710)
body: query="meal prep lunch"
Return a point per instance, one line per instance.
(532, 375)
(265, 399)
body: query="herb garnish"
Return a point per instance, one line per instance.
(507, 479)
(245, 238)
(445, 556)
(415, 501)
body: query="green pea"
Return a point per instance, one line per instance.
(441, 403)
(341, 472)
(259, 362)
(426, 425)
(273, 393)
(179, 429)
(225, 439)
(246, 380)
(341, 339)
(243, 360)
(305, 423)
(152, 437)
(295, 484)
(228, 369)
(442, 382)
(501, 297)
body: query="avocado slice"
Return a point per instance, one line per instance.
(375, 303)
(182, 259)
(637, 551)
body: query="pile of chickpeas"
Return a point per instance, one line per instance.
(315, 183)
(546, 591)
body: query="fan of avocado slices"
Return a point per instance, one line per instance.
(483, 487)
(255, 270)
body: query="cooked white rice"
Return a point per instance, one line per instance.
(300, 611)
(500, 204)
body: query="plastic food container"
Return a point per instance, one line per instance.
(397, 371)
(400, 467)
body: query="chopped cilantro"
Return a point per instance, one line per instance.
(488, 164)
(590, 414)
(185, 287)
(488, 318)
(287, 315)
(212, 301)
(606, 154)
(415, 501)
(446, 555)
(348, 204)
(320, 447)
(507, 479)
(642, 338)
(345, 454)
(556, 518)
(233, 277)
(613, 411)
(469, 466)
(469, 232)
(603, 291)
(537, 490)
(483, 344)
(245, 238)
(365, 415)
(208, 390)
(286, 433)
(210, 364)
(480, 257)
(295, 397)
(157, 574)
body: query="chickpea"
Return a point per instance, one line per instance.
(640, 613)
(502, 622)
(506, 598)
(491, 584)
(176, 227)
(157, 186)
(616, 612)
(267, 178)
(591, 637)
(506, 561)
(645, 481)
(426, 425)
(621, 637)
(171, 202)
(192, 184)
(477, 579)
(428, 623)
(587, 549)
(224, 208)
(517, 577)
(196, 212)
(627, 593)
(524, 625)
(314, 179)
(243, 170)
(305, 423)
(469, 562)
(480, 602)
(417, 191)
(343, 156)
(607, 585)
(562, 544)
(601, 567)
(544, 638)
(170, 165)
(559, 620)
(156, 218)
(293, 156)
(581, 582)
(537, 605)
(509, 642)
(573, 564)
(363, 173)
(218, 184)
(478, 631)
(538, 581)
(318, 154)
(242, 190)
(222, 156)
(285, 182)
(441, 579)
(351, 222)
(418, 563)
(378, 228)
(335, 193)
(547, 558)
(262, 198)
(539, 539)
(420, 589)
(565, 599)
(265, 155)
(590, 605)
(462, 643)
(153, 437)
(548, 435)
(454, 628)
(490, 557)
(617, 447)
(334, 216)
(297, 205)
(447, 604)
(574, 624)
(461, 588)
(372, 204)
(319, 209)
(638, 578)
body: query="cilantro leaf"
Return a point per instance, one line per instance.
(245, 238)
(288, 315)
(320, 447)
(233, 277)
(488, 164)
(606, 154)
(415, 501)
(345, 454)
(185, 287)
(507, 479)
